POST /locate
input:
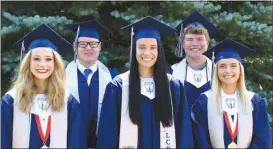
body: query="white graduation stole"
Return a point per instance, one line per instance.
(40, 107)
(129, 131)
(197, 77)
(147, 87)
(72, 83)
(22, 126)
(179, 72)
(230, 106)
(216, 122)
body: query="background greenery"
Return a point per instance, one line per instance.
(247, 22)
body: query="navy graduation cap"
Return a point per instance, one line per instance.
(198, 20)
(91, 28)
(42, 36)
(149, 27)
(228, 48)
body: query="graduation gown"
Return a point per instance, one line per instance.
(75, 134)
(261, 136)
(149, 133)
(192, 91)
(89, 97)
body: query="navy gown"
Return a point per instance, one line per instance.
(261, 137)
(192, 92)
(75, 134)
(149, 132)
(89, 97)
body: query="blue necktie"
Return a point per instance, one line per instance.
(86, 73)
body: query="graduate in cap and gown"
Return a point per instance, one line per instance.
(228, 115)
(38, 111)
(87, 77)
(194, 69)
(145, 107)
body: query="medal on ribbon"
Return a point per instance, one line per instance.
(43, 137)
(232, 135)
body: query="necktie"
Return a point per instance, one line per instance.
(87, 72)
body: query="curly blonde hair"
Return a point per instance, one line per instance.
(24, 84)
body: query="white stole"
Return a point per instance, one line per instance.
(22, 126)
(72, 82)
(179, 70)
(216, 122)
(129, 131)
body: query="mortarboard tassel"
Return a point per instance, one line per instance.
(212, 67)
(76, 44)
(179, 48)
(22, 50)
(131, 45)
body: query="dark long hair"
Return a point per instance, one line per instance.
(163, 110)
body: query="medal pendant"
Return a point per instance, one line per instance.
(232, 145)
(44, 146)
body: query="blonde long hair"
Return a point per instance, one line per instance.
(241, 86)
(24, 84)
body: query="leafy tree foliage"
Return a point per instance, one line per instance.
(247, 22)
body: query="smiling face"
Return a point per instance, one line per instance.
(42, 63)
(88, 53)
(195, 44)
(146, 52)
(228, 71)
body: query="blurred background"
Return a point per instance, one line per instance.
(246, 22)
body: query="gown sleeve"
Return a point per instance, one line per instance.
(108, 131)
(6, 121)
(200, 122)
(170, 70)
(182, 119)
(261, 137)
(75, 136)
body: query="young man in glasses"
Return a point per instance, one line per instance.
(87, 77)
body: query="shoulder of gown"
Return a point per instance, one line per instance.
(6, 121)
(178, 92)
(177, 83)
(170, 70)
(199, 109)
(7, 100)
(72, 103)
(261, 136)
(113, 72)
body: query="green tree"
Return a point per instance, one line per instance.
(247, 22)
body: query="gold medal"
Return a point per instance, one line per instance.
(44, 146)
(232, 145)
(232, 135)
(43, 137)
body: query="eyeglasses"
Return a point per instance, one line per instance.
(92, 44)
